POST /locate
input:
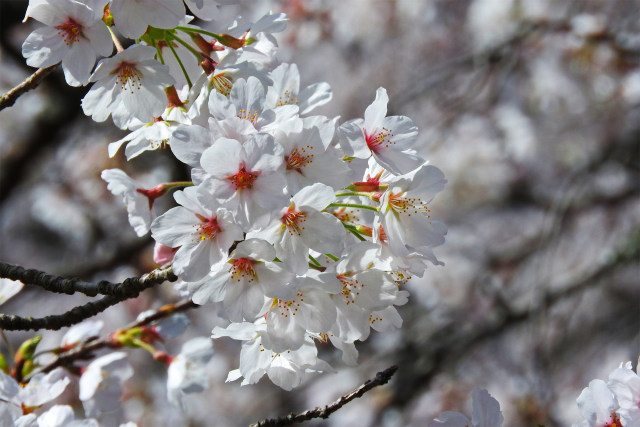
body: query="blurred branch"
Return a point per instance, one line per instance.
(381, 378)
(31, 82)
(454, 340)
(85, 350)
(130, 288)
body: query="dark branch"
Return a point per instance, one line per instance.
(124, 290)
(118, 292)
(31, 82)
(381, 378)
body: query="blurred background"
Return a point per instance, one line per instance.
(532, 110)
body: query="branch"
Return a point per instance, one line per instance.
(381, 378)
(86, 349)
(70, 286)
(130, 288)
(31, 82)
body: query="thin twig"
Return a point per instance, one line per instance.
(130, 288)
(381, 378)
(85, 350)
(31, 82)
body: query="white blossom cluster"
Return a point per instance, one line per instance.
(296, 228)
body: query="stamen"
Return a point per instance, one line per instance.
(379, 140)
(293, 220)
(298, 158)
(243, 179)
(71, 31)
(129, 76)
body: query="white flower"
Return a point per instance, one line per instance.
(129, 84)
(285, 90)
(63, 416)
(203, 231)
(138, 201)
(486, 413)
(81, 332)
(9, 288)
(187, 373)
(405, 214)
(598, 405)
(101, 385)
(625, 385)
(286, 370)
(75, 35)
(40, 389)
(243, 286)
(302, 226)
(245, 178)
(132, 17)
(387, 139)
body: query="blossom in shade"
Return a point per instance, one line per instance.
(187, 371)
(74, 34)
(129, 84)
(486, 413)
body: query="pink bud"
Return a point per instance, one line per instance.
(163, 254)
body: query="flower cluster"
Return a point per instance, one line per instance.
(296, 229)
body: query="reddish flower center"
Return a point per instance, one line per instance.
(294, 220)
(243, 179)
(242, 268)
(129, 76)
(615, 421)
(298, 158)
(379, 141)
(71, 31)
(208, 228)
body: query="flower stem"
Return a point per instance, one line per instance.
(184, 70)
(353, 230)
(354, 205)
(116, 42)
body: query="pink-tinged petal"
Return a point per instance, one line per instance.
(375, 113)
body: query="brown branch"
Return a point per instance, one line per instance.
(381, 378)
(31, 82)
(85, 350)
(118, 292)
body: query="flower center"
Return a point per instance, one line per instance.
(294, 220)
(242, 268)
(407, 205)
(287, 98)
(71, 31)
(243, 179)
(379, 140)
(298, 158)
(221, 83)
(129, 76)
(615, 421)
(207, 229)
(350, 288)
(252, 116)
(286, 308)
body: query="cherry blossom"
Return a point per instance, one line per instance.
(486, 413)
(187, 373)
(75, 35)
(387, 139)
(129, 84)
(132, 17)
